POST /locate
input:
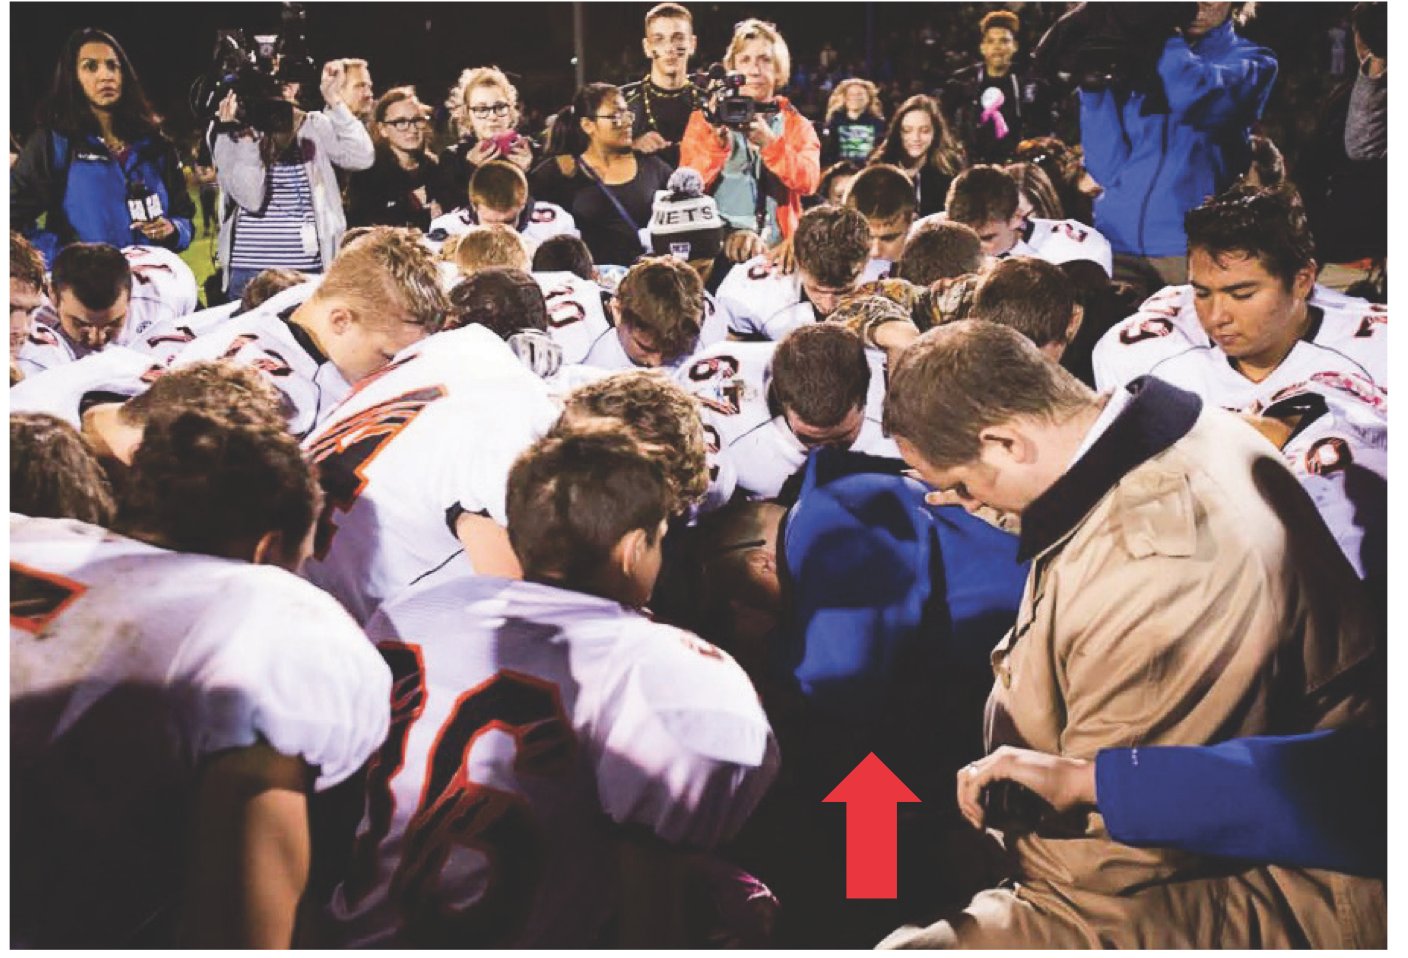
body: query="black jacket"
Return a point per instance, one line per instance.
(381, 194)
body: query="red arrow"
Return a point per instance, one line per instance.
(871, 793)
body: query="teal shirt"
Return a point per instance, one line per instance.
(736, 194)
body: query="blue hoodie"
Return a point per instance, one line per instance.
(1156, 168)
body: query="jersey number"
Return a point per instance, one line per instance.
(345, 451)
(562, 309)
(455, 811)
(37, 598)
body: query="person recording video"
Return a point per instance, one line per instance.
(283, 208)
(758, 171)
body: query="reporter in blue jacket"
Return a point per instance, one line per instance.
(98, 138)
(1157, 163)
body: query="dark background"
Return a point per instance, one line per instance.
(428, 44)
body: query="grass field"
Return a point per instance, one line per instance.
(200, 255)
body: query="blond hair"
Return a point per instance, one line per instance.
(755, 29)
(388, 270)
(473, 77)
(495, 245)
(838, 97)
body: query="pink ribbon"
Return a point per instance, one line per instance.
(992, 110)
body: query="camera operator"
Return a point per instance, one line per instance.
(758, 174)
(283, 208)
(1158, 160)
(99, 165)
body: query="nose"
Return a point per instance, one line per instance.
(875, 248)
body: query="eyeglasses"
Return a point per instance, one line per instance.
(624, 118)
(495, 109)
(407, 123)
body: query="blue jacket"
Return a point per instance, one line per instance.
(885, 587)
(1156, 168)
(1314, 801)
(83, 189)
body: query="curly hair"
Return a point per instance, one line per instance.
(457, 100)
(837, 101)
(202, 484)
(53, 473)
(26, 263)
(660, 415)
(832, 244)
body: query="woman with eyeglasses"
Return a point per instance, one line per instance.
(484, 109)
(919, 142)
(607, 186)
(400, 187)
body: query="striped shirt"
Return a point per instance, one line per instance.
(273, 238)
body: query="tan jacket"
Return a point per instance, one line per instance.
(1183, 591)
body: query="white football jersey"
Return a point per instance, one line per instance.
(606, 351)
(1060, 241)
(433, 433)
(757, 300)
(1340, 455)
(163, 289)
(165, 339)
(129, 665)
(284, 354)
(528, 722)
(875, 269)
(546, 221)
(47, 345)
(1165, 339)
(576, 316)
(115, 373)
(731, 382)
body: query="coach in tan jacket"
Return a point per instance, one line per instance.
(1183, 591)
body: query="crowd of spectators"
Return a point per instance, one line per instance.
(538, 520)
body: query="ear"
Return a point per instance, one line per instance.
(645, 45)
(1004, 442)
(1304, 280)
(269, 550)
(630, 550)
(340, 319)
(1073, 327)
(762, 562)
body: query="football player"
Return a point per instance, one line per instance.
(662, 317)
(381, 294)
(555, 756)
(987, 199)
(1035, 298)
(28, 292)
(414, 462)
(103, 295)
(165, 339)
(175, 697)
(1251, 321)
(53, 473)
(498, 194)
(831, 247)
(770, 403)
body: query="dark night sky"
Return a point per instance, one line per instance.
(427, 44)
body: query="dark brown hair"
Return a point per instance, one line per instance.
(66, 109)
(571, 498)
(499, 185)
(832, 244)
(882, 192)
(200, 484)
(1267, 224)
(820, 373)
(53, 473)
(982, 194)
(1030, 295)
(945, 153)
(96, 273)
(940, 250)
(503, 300)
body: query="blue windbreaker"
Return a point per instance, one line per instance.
(1156, 168)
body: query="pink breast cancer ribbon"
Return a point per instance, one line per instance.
(992, 110)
